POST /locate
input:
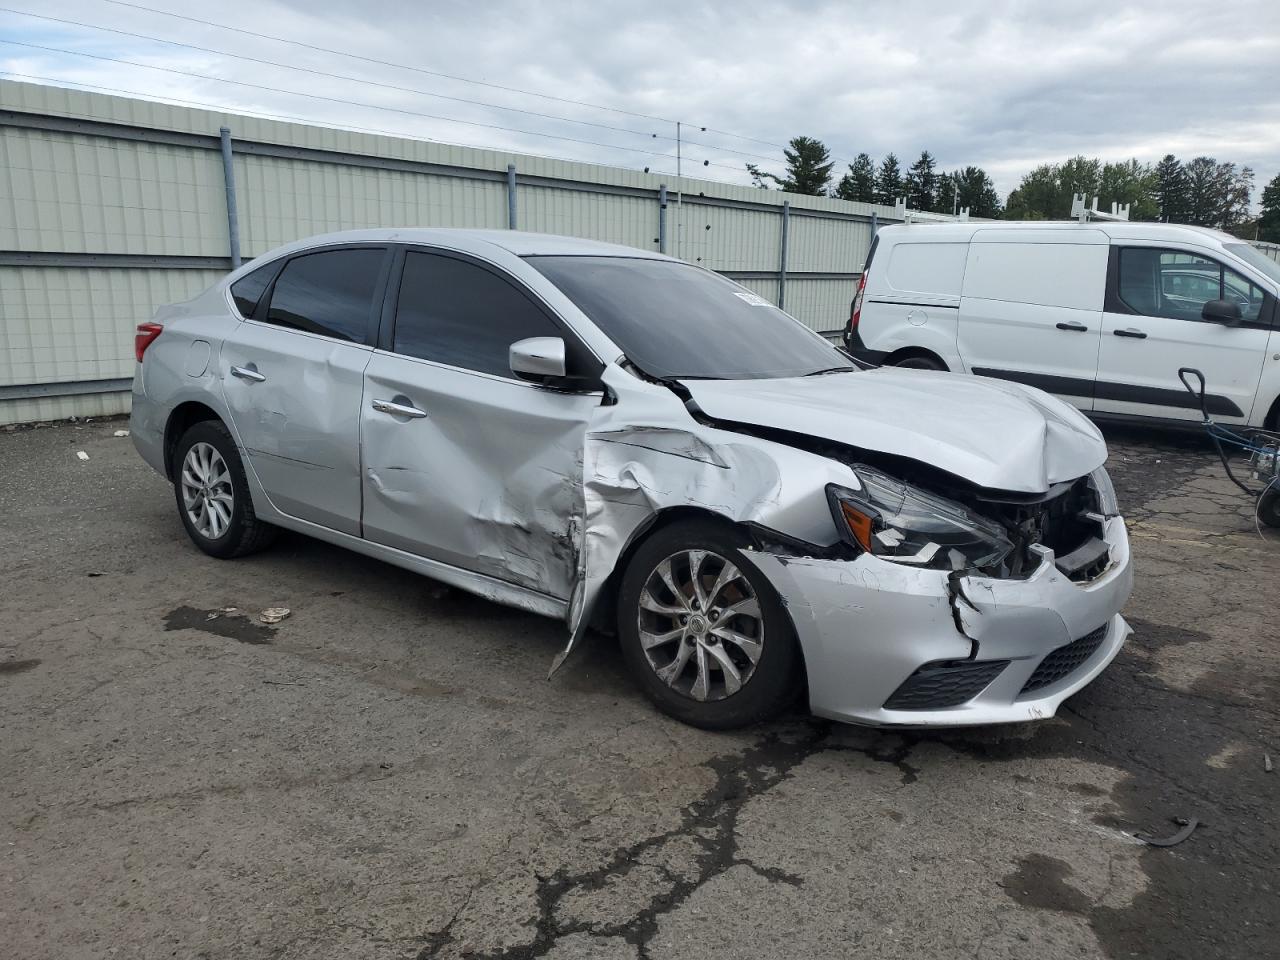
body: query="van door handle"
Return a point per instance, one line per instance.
(398, 409)
(1073, 326)
(248, 373)
(1130, 332)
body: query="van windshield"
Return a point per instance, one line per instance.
(1255, 258)
(677, 321)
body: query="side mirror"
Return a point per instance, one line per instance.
(537, 358)
(1226, 312)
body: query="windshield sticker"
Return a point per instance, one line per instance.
(752, 299)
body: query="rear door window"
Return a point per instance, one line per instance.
(330, 293)
(248, 290)
(456, 312)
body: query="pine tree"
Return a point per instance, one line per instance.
(808, 168)
(974, 190)
(1172, 191)
(1269, 218)
(860, 182)
(922, 183)
(889, 181)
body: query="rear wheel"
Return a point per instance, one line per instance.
(703, 632)
(213, 495)
(919, 362)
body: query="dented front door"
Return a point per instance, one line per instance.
(475, 470)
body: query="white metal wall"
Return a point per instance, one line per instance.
(110, 207)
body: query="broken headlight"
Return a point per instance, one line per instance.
(896, 521)
(1100, 480)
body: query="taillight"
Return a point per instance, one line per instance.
(855, 311)
(145, 336)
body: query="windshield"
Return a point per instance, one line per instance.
(673, 320)
(1256, 259)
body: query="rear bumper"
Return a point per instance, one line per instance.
(146, 426)
(853, 345)
(866, 626)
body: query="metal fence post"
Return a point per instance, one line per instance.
(511, 196)
(782, 259)
(875, 224)
(229, 178)
(662, 218)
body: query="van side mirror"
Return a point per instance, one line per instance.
(1226, 312)
(537, 358)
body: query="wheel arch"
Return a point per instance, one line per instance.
(181, 419)
(905, 353)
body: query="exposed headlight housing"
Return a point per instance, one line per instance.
(896, 521)
(1100, 480)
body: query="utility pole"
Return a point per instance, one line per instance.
(679, 190)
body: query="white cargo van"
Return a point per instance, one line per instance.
(1101, 314)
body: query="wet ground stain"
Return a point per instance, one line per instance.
(1041, 881)
(10, 667)
(232, 626)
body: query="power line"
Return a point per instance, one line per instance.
(339, 100)
(263, 115)
(434, 73)
(375, 83)
(323, 73)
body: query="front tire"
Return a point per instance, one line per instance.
(703, 632)
(212, 494)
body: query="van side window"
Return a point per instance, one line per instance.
(1176, 284)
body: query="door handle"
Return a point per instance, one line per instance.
(398, 409)
(247, 373)
(1130, 332)
(1073, 326)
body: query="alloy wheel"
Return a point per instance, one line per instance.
(207, 492)
(700, 623)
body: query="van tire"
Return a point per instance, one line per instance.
(919, 361)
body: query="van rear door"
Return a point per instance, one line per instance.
(1032, 309)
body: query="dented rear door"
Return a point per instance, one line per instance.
(292, 378)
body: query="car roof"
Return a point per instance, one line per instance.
(516, 242)
(1119, 230)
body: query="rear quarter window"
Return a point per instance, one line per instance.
(1046, 274)
(933, 269)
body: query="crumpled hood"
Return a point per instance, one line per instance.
(993, 433)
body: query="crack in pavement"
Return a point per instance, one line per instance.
(709, 823)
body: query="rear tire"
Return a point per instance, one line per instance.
(918, 362)
(212, 494)
(720, 654)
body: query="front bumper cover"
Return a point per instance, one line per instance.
(866, 625)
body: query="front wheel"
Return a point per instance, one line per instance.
(703, 632)
(213, 495)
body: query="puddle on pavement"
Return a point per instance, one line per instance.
(232, 626)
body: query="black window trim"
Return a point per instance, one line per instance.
(1113, 302)
(385, 340)
(379, 292)
(273, 265)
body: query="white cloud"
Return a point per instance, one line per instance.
(1007, 87)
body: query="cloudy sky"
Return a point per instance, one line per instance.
(1003, 85)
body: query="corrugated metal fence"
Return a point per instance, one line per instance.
(110, 207)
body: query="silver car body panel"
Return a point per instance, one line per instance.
(531, 496)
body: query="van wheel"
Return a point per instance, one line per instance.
(703, 632)
(920, 363)
(213, 495)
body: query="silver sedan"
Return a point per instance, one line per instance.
(626, 441)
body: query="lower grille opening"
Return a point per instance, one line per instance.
(944, 683)
(1064, 661)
